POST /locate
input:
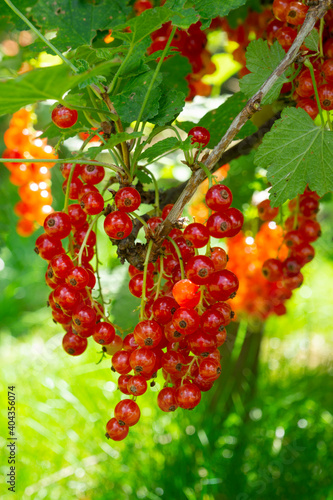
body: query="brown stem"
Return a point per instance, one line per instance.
(253, 105)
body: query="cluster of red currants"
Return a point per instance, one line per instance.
(302, 230)
(190, 43)
(182, 322)
(33, 179)
(282, 24)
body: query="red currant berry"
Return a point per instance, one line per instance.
(173, 362)
(166, 399)
(132, 271)
(310, 230)
(325, 93)
(201, 343)
(166, 210)
(171, 333)
(309, 206)
(163, 309)
(142, 5)
(272, 269)
(186, 320)
(186, 293)
(78, 278)
(296, 13)
(209, 369)
(218, 198)
(118, 225)
(74, 188)
(127, 412)
(219, 225)
(120, 362)
(115, 346)
(129, 343)
(310, 106)
(104, 333)
(66, 297)
(136, 284)
(327, 70)
(64, 117)
(84, 319)
(219, 258)
(199, 269)
(61, 265)
(286, 36)
(86, 189)
(196, 235)
(148, 334)
(137, 385)
(73, 344)
(66, 168)
(293, 238)
(188, 396)
(60, 317)
(237, 220)
(281, 9)
(266, 212)
(200, 135)
(48, 247)
(225, 309)
(116, 431)
(92, 174)
(291, 267)
(223, 285)
(304, 253)
(212, 321)
(142, 360)
(92, 203)
(122, 383)
(293, 282)
(127, 199)
(76, 215)
(57, 224)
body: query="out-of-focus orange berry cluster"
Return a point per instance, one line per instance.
(256, 296)
(32, 179)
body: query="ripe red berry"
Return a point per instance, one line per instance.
(132, 271)
(225, 309)
(136, 284)
(186, 293)
(118, 225)
(296, 13)
(223, 285)
(163, 309)
(196, 235)
(57, 224)
(286, 36)
(77, 278)
(116, 431)
(266, 212)
(120, 362)
(137, 385)
(92, 203)
(281, 9)
(122, 383)
(66, 297)
(309, 105)
(64, 117)
(129, 343)
(310, 230)
(66, 168)
(148, 334)
(308, 206)
(73, 344)
(186, 320)
(127, 412)
(61, 265)
(219, 224)
(293, 238)
(325, 93)
(166, 210)
(173, 362)
(84, 320)
(80, 234)
(327, 70)
(127, 199)
(272, 269)
(142, 360)
(48, 247)
(77, 216)
(199, 269)
(304, 253)
(188, 396)
(166, 399)
(74, 188)
(293, 282)
(199, 135)
(104, 333)
(201, 343)
(92, 174)
(237, 220)
(218, 198)
(291, 267)
(209, 369)
(212, 321)
(219, 258)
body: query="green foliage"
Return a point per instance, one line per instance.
(312, 40)
(296, 152)
(159, 148)
(37, 85)
(262, 60)
(77, 22)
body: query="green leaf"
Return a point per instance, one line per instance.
(128, 103)
(143, 177)
(141, 26)
(37, 85)
(112, 142)
(174, 71)
(9, 20)
(183, 17)
(77, 22)
(170, 105)
(209, 9)
(312, 40)
(296, 152)
(218, 120)
(159, 149)
(262, 61)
